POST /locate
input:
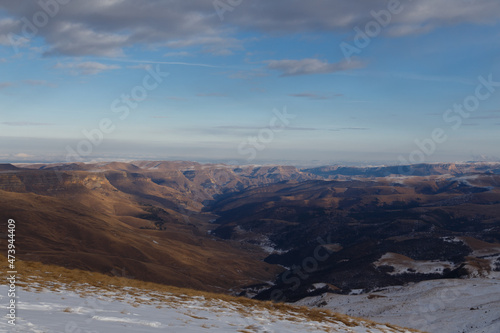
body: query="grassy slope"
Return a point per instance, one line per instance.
(64, 231)
(35, 276)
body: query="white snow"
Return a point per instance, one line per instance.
(451, 239)
(435, 306)
(92, 310)
(262, 241)
(405, 265)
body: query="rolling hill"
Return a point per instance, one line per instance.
(269, 232)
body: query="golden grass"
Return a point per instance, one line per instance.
(35, 276)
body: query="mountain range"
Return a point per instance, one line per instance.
(269, 232)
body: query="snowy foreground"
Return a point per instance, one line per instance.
(91, 310)
(437, 306)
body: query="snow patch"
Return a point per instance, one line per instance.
(118, 310)
(405, 265)
(129, 321)
(444, 306)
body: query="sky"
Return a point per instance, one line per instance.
(241, 81)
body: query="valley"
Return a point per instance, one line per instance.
(277, 233)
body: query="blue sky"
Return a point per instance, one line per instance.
(234, 65)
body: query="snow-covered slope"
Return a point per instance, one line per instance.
(87, 309)
(436, 306)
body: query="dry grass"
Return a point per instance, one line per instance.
(76, 227)
(36, 276)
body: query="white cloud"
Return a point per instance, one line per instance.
(211, 95)
(22, 155)
(105, 28)
(4, 85)
(7, 26)
(310, 66)
(248, 74)
(78, 39)
(38, 83)
(24, 123)
(177, 54)
(140, 66)
(311, 95)
(211, 44)
(86, 68)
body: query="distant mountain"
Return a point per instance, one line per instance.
(8, 167)
(332, 172)
(367, 234)
(273, 232)
(125, 220)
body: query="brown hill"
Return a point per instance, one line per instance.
(455, 169)
(208, 226)
(71, 234)
(8, 167)
(123, 223)
(357, 222)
